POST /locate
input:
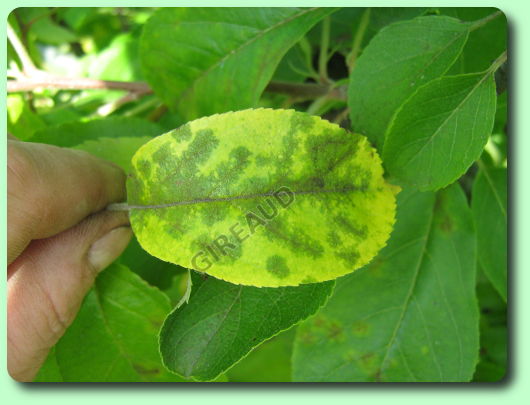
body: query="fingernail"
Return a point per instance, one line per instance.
(107, 248)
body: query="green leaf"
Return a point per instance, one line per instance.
(22, 122)
(114, 139)
(411, 315)
(222, 322)
(114, 336)
(119, 61)
(399, 59)
(269, 362)
(489, 205)
(202, 61)
(441, 130)
(477, 56)
(156, 272)
(261, 197)
(492, 366)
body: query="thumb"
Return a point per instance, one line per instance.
(47, 284)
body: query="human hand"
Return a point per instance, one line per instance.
(58, 240)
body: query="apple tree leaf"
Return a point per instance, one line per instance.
(261, 197)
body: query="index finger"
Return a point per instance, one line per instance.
(51, 189)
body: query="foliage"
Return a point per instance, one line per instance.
(413, 102)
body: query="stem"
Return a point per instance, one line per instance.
(323, 55)
(497, 63)
(308, 90)
(305, 90)
(68, 83)
(358, 40)
(27, 64)
(479, 23)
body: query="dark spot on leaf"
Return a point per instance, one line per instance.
(309, 280)
(350, 257)
(277, 266)
(349, 226)
(361, 328)
(145, 371)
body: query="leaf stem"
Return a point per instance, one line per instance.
(323, 53)
(358, 40)
(479, 23)
(497, 63)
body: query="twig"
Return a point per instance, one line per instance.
(358, 40)
(49, 13)
(109, 108)
(28, 67)
(323, 54)
(68, 83)
(308, 90)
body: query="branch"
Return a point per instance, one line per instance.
(306, 90)
(67, 83)
(296, 90)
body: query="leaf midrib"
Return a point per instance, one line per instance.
(238, 197)
(410, 292)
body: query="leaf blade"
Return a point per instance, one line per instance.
(118, 324)
(441, 130)
(399, 59)
(222, 179)
(226, 55)
(223, 322)
(489, 206)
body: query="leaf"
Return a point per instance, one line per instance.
(156, 272)
(119, 61)
(411, 315)
(269, 362)
(202, 61)
(22, 122)
(222, 322)
(484, 44)
(261, 197)
(114, 336)
(115, 138)
(441, 130)
(489, 206)
(399, 59)
(492, 366)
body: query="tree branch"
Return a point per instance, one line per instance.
(68, 83)
(296, 90)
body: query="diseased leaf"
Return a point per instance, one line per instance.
(398, 60)
(261, 197)
(441, 130)
(489, 205)
(222, 322)
(411, 315)
(114, 139)
(114, 336)
(202, 61)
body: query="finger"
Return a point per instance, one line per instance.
(47, 287)
(50, 189)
